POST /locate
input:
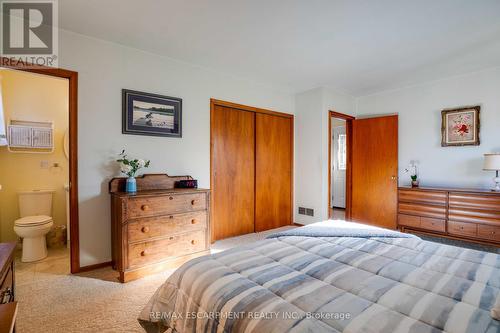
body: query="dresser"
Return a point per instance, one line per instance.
(465, 214)
(8, 306)
(158, 227)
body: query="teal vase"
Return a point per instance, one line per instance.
(131, 185)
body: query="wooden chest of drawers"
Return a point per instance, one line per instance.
(157, 229)
(472, 215)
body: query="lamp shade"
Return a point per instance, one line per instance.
(491, 161)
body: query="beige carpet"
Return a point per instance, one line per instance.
(51, 300)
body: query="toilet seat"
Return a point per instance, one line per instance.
(33, 221)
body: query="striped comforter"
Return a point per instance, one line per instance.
(330, 283)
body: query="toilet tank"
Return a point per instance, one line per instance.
(35, 202)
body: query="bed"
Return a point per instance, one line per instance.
(332, 277)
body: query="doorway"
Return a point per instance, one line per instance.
(339, 165)
(69, 147)
(371, 168)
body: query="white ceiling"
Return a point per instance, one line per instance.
(354, 46)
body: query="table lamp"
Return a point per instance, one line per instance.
(492, 163)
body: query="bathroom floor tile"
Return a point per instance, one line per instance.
(55, 267)
(25, 273)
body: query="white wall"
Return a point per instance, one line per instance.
(104, 69)
(419, 110)
(311, 149)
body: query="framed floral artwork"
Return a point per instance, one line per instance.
(460, 127)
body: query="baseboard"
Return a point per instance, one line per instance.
(298, 224)
(95, 266)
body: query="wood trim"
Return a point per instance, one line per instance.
(348, 201)
(292, 165)
(435, 234)
(335, 114)
(212, 178)
(8, 315)
(95, 266)
(147, 182)
(213, 103)
(72, 78)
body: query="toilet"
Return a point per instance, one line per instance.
(35, 208)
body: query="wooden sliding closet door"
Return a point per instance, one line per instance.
(374, 171)
(273, 171)
(233, 172)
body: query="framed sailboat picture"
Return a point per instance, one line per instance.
(151, 114)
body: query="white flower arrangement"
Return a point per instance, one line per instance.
(130, 167)
(412, 170)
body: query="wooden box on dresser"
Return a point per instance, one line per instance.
(465, 214)
(158, 227)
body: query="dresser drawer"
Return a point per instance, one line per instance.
(433, 224)
(437, 212)
(425, 197)
(463, 229)
(489, 232)
(174, 246)
(409, 220)
(168, 204)
(166, 225)
(488, 202)
(474, 215)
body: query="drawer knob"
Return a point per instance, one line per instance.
(492, 232)
(171, 217)
(144, 253)
(145, 207)
(193, 202)
(170, 198)
(193, 221)
(145, 229)
(171, 238)
(193, 242)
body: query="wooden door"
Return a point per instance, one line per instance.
(233, 172)
(273, 171)
(375, 170)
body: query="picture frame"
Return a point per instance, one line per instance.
(151, 114)
(460, 126)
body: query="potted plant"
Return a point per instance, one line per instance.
(414, 181)
(129, 167)
(412, 170)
